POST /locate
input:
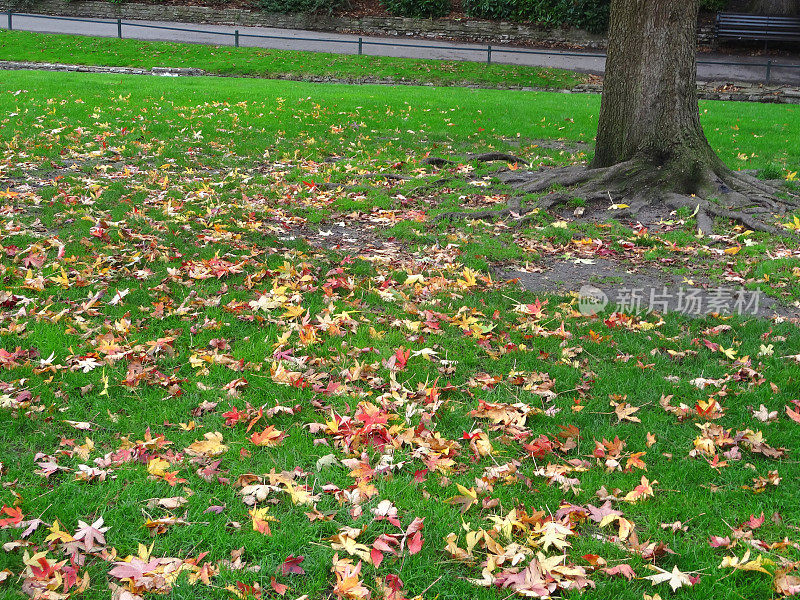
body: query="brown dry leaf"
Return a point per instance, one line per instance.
(788, 585)
(764, 415)
(169, 503)
(625, 411)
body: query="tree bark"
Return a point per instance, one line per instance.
(651, 156)
(649, 106)
(776, 7)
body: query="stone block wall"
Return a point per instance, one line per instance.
(468, 29)
(493, 32)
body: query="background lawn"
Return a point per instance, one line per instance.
(257, 62)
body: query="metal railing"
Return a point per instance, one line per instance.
(360, 42)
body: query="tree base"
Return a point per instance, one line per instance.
(636, 187)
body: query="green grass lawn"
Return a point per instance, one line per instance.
(191, 352)
(256, 62)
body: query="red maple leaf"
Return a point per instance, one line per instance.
(15, 516)
(292, 565)
(279, 588)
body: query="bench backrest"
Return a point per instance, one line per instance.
(758, 26)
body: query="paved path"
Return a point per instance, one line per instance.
(753, 71)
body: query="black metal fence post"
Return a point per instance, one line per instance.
(360, 46)
(119, 28)
(489, 54)
(769, 70)
(9, 19)
(236, 38)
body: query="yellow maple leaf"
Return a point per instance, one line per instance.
(292, 312)
(157, 467)
(794, 225)
(745, 564)
(300, 495)
(58, 535)
(209, 447)
(261, 520)
(469, 278)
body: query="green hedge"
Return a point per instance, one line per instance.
(714, 5)
(292, 6)
(586, 14)
(428, 9)
(591, 15)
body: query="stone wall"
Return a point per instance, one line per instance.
(499, 32)
(454, 29)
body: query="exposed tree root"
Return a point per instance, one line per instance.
(424, 188)
(438, 161)
(350, 188)
(634, 188)
(513, 208)
(431, 185)
(706, 210)
(389, 176)
(338, 186)
(497, 156)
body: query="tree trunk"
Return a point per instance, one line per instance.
(651, 156)
(649, 107)
(776, 7)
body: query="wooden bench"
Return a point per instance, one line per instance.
(737, 26)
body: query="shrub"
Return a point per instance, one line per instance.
(586, 14)
(290, 6)
(591, 15)
(714, 5)
(418, 8)
(491, 9)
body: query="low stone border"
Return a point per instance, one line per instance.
(721, 90)
(743, 92)
(12, 65)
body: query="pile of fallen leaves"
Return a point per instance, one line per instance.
(182, 339)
